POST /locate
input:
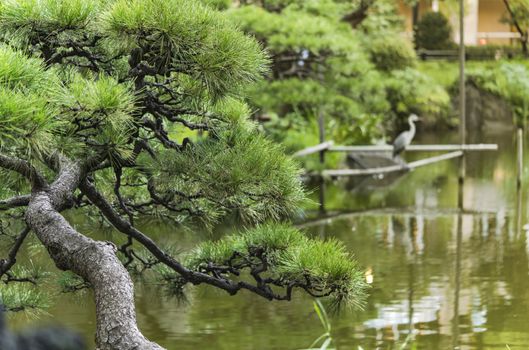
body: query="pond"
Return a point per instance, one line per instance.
(450, 277)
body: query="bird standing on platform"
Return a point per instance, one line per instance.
(404, 139)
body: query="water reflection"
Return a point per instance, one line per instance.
(439, 278)
(446, 267)
(448, 264)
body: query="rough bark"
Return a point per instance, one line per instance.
(94, 261)
(14, 202)
(23, 168)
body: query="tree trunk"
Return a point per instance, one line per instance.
(94, 261)
(414, 23)
(524, 35)
(356, 17)
(524, 45)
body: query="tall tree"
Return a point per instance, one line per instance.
(518, 16)
(133, 107)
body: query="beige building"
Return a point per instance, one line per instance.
(483, 20)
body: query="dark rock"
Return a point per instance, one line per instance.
(485, 111)
(49, 338)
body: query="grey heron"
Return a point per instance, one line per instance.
(404, 139)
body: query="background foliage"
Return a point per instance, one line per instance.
(344, 60)
(433, 32)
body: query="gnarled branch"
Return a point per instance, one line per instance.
(23, 168)
(15, 202)
(7, 264)
(194, 277)
(94, 261)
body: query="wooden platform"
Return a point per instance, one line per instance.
(392, 168)
(454, 151)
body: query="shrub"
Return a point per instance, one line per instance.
(510, 81)
(487, 52)
(390, 52)
(411, 91)
(433, 32)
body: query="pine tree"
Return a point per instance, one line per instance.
(136, 107)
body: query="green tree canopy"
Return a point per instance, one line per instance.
(433, 32)
(337, 59)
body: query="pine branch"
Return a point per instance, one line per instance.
(161, 134)
(167, 199)
(23, 168)
(194, 277)
(7, 264)
(15, 202)
(118, 171)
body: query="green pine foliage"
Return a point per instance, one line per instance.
(315, 56)
(69, 282)
(102, 102)
(191, 38)
(31, 17)
(291, 259)
(20, 297)
(259, 186)
(20, 288)
(383, 19)
(218, 4)
(27, 120)
(156, 94)
(41, 113)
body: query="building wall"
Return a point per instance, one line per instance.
(471, 22)
(490, 15)
(407, 12)
(482, 21)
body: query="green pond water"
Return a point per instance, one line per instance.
(452, 278)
